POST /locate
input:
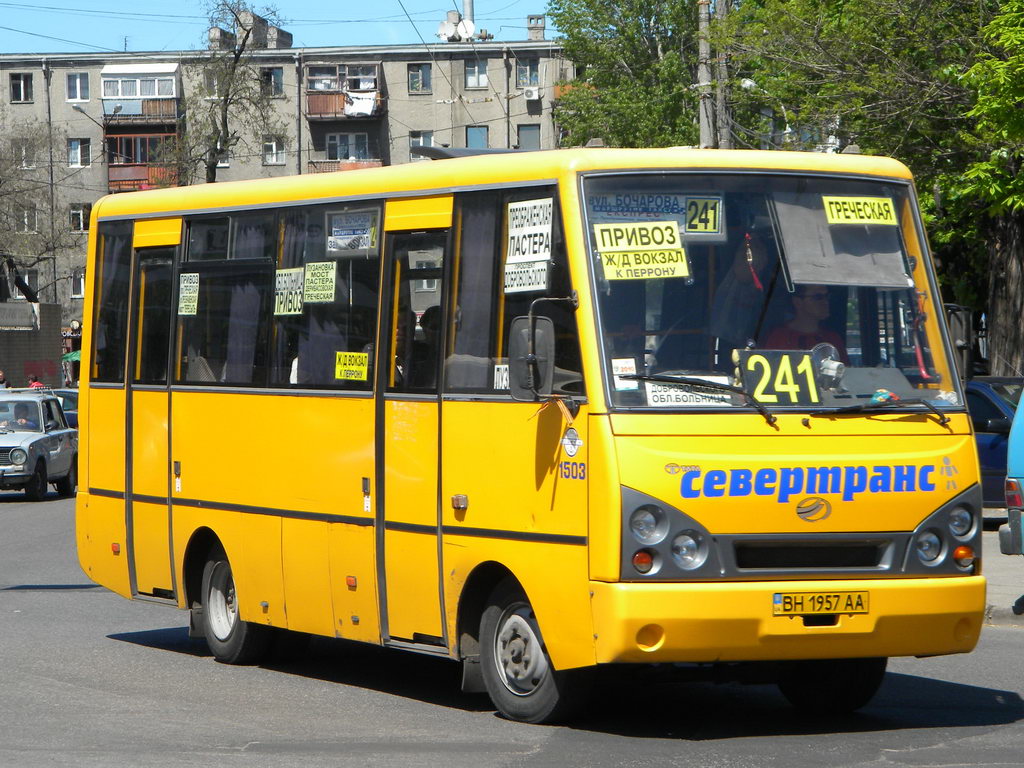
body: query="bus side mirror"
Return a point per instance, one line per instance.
(531, 358)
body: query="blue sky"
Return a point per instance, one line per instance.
(71, 26)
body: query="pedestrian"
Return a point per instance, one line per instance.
(34, 382)
(4, 384)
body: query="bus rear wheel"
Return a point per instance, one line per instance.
(832, 686)
(516, 668)
(231, 640)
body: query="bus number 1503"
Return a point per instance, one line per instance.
(573, 470)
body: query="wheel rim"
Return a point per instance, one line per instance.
(518, 652)
(222, 607)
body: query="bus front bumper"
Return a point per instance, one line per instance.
(734, 621)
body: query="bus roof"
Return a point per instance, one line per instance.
(443, 176)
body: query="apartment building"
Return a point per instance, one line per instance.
(78, 126)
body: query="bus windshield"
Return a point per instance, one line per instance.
(799, 290)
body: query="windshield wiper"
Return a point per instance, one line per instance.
(865, 407)
(691, 381)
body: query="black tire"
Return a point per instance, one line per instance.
(516, 668)
(231, 640)
(67, 485)
(35, 488)
(832, 686)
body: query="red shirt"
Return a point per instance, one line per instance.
(785, 337)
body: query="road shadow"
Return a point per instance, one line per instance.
(699, 711)
(49, 587)
(641, 702)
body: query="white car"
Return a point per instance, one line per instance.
(37, 447)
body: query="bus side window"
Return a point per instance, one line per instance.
(483, 307)
(323, 331)
(110, 322)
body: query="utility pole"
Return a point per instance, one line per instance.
(723, 118)
(706, 104)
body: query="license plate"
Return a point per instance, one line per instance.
(811, 603)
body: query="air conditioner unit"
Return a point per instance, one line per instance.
(532, 93)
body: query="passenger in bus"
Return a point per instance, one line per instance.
(424, 352)
(806, 329)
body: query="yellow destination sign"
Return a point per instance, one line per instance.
(641, 250)
(351, 366)
(859, 210)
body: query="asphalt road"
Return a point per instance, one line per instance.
(90, 679)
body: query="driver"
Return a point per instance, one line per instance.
(805, 329)
(22, 417)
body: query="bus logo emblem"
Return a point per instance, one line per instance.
(813, 509)
(571, 442)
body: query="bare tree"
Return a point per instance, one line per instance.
(36, 232)
(228, 105)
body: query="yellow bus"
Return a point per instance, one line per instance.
(538, 413)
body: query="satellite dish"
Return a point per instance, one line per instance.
(446, 30)
(466, 29)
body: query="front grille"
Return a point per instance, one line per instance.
(809, 555)
(5, 456)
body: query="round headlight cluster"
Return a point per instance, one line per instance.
(689, 550)
(961, 522)
(18, 456)
(648, 524)
(928, 546)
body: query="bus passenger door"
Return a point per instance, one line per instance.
(408, 521)
(147, 472)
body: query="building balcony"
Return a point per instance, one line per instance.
(335, 105)
(123, 177)
(133, 111)
(330, 166)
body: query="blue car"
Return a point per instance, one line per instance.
(992, 401)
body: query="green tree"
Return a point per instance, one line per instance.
(994, 182)
(636, 65)
(907, 78)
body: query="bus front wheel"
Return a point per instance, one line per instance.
(231, 640)
(832, 686)
(516, 668)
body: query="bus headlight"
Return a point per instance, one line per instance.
(928, 546)
(960, 522)
(689, 550)
(19, 456)
(648, 524)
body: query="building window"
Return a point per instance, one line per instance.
(476, 137)
(134, 87)
(272, 81)
(419, 78)
(476, 73)
(273, 150)
(133, 150)
(78, 283)
(527, 73)
(79, 153)
(348, 146)
(23, 153)
(21, 87)
(78, 86)
(528, 136)
(322, 78)
(361, 77)
(31, 277)
(420, 139)
(80, 216)
(25, 218)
